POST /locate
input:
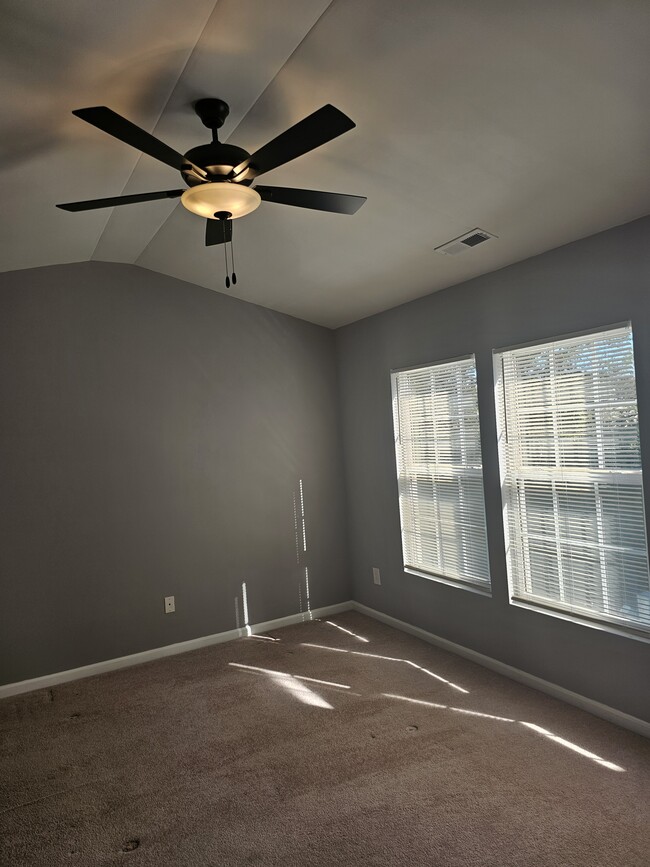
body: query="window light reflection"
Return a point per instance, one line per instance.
(448, 707)
(286, 674)
(293, 684)
(437, 677)
(301, 691)
(348, 631)
(376, 656)
(302, 516)
(300, 529)
(244, 597)
(307, 594)
(570, 746)
(538, 729)
(389, 659)
(323, 647)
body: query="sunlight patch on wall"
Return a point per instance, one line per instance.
(300, 531)
(244, 599)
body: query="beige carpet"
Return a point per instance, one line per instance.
(194, 760)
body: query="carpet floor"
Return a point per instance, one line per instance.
(313, 746)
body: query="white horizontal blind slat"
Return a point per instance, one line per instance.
(572, 484)
(440, 474)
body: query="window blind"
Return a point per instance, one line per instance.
(571, 477)
(440, 474)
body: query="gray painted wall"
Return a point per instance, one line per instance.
(602, 280)
(152, 436)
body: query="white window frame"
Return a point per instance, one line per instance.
(601, 619)
(480, 584)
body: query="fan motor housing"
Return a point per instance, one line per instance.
(217, 159)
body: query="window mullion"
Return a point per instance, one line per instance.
(558, 465)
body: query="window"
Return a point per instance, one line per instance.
(571, 477)
(440, 475)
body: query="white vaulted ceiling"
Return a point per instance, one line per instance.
(524, 118)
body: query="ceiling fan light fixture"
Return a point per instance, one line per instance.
(216, 197)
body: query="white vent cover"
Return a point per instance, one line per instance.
(464, 242)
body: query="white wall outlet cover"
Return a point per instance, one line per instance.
(170, 604)
(376, 576)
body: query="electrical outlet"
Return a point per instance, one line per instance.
(170, 604)
(376, 576)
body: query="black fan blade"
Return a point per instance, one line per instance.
(317, 129)
(337, 203)
(217, 232)
(91, 204)
(114, 124)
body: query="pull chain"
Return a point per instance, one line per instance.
(232, 261)
(225, 255)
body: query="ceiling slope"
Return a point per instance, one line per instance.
(241, 49)
(526, 119)
(59, 56)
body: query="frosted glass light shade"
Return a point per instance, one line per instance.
(206, 200)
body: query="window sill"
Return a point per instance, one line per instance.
(599, 625)
(451, 582)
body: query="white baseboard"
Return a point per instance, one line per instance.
(601, 710)
(610, 714)
(58, 677)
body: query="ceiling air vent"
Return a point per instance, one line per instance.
(464, 242)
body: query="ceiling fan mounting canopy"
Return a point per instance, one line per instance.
(213, 112)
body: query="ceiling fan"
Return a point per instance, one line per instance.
(219, 176)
